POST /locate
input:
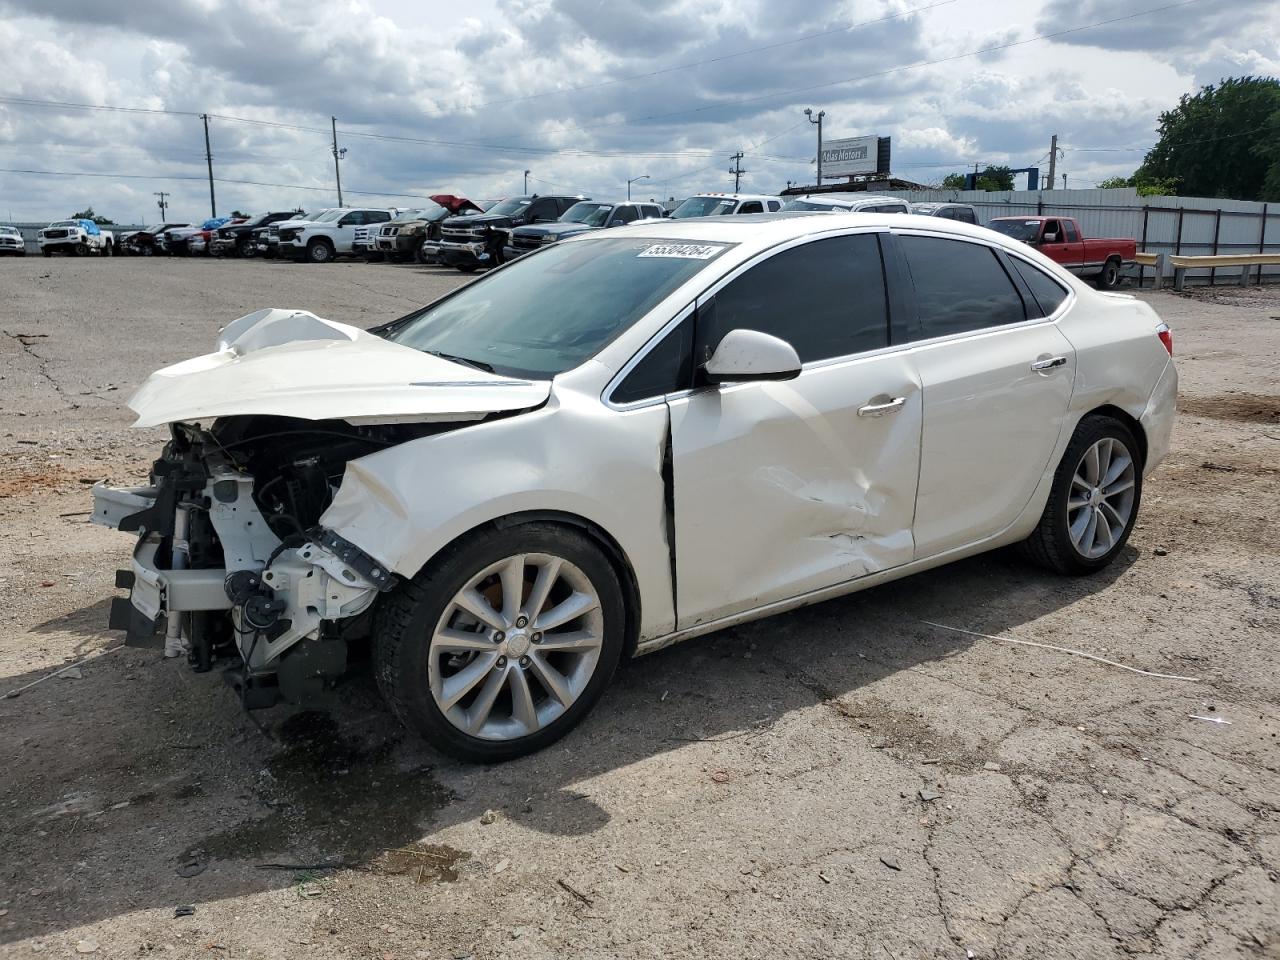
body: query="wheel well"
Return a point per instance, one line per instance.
(1115, 413)
(617, 558)
(325, 240)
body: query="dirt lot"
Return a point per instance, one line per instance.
(845, 781)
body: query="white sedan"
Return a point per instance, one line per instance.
(626, 440)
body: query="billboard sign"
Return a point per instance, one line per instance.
(850, 157)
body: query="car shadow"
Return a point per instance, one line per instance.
(139, 784)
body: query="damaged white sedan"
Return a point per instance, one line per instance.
(626, 440)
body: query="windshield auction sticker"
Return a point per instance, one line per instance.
(681, 251)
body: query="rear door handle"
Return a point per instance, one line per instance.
(1049, 364)
(880, 409)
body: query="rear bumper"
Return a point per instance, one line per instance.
(1157, 419)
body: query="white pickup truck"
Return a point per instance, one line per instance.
(327, 236)
(76, 237)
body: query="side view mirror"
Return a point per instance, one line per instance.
(751, 355)
(1049, 238)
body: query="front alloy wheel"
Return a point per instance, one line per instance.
(319, 252)
(504, 642)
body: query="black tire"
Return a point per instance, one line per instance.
(1050, 544)
(1109, 278)
(320, 251)
(406, 618)
(244, 248)
(419, 256)
(109, 249)
(47, 252)
(467, 267)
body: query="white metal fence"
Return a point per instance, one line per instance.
(1190, 226)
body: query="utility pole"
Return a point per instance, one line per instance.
(337, 155)
(526, 183)
(821, 113)
(737, 170)
(1053, 159)
(162, 204)
(1064, 181)
(208, 156)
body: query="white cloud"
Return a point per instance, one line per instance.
(589, 87)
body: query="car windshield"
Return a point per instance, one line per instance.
(66, 223)
(550, 311)
(505, 208)
(421, 213)
(328, 216)
(10, 231)
(1024, 230)
(592, 214)
(703, 207)
(811, 205)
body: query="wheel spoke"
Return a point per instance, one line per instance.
(522, 708)
(1078, 528)
(1120, 486)
(569, 609)
(1075, 503)
(1090, 537)
(448, 640)
(547, 574)
(512, 577)
(574, 640)
(1081, 483)
(479, 711)
(1116, 469)
(1104, 527)
(456, 687)
(1091, 466)
(476, 605)
(557, 683)
(1112, 514)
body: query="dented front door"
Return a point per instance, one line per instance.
(787, 487)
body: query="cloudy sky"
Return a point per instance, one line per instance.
(463, 97)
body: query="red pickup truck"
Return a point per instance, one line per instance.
(1061, 240)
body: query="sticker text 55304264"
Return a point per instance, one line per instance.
(682, 251)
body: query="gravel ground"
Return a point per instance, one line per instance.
(844, 781)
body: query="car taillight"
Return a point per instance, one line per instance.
(1166, 337)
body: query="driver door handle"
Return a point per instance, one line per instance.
(1049, 364)
(880, 409)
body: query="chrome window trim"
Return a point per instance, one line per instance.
(712, 290)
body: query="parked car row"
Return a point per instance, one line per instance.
(466, 235)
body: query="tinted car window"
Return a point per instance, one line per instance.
(377, 216)
(544, 210)
(1073, 235)
(1048, 293)
(959, 286)
(752, 206)
(825, 298)
(666, 368)
(774, 206)
(625, 214)
(965, 215)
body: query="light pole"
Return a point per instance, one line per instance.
(643, 176)
(821, 113)
(526, 182)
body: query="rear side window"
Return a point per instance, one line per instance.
(1048, 293)
(624, 214)
(775, 206)
(959, 287)
(964, 215)
(752, 206)
(825, 298)
(666, 368)
(1073, 235)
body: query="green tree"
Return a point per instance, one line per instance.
(88, 214)
(1269, 149)
(1111, 183)
(1147, 186)
(1220, 142)
(992, 178)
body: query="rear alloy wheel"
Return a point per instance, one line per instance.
(319, 251)
(503, 643)
(1094, 501)
(1109, 278)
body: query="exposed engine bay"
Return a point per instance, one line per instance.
(232, 558)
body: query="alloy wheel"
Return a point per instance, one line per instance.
(1100, 504)
(516, 646)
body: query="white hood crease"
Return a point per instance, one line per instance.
(291, 363)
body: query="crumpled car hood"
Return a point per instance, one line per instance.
(291, 363)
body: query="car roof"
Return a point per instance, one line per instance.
(939, 204)
(764, 230)
(735, 196)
